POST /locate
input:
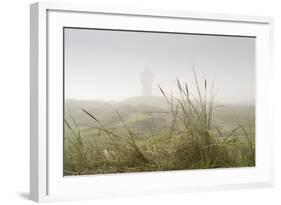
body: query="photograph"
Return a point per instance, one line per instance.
(150, 101)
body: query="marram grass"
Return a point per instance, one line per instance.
(192, 141)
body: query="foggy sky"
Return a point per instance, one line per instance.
(106, 65)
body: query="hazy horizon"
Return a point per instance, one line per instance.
(105, 65)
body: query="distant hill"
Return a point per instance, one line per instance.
(153, 101)
(146, 114)
(106, 112)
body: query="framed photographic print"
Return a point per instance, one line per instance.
(127, 102)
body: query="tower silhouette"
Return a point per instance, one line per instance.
(147, 78)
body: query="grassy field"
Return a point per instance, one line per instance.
(158, 133)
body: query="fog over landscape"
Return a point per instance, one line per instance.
(144, 101)
(106, 65)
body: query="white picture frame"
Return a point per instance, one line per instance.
(46, 177)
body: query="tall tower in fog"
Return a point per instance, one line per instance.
(147, 78)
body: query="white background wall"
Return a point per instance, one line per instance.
(14, 101)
